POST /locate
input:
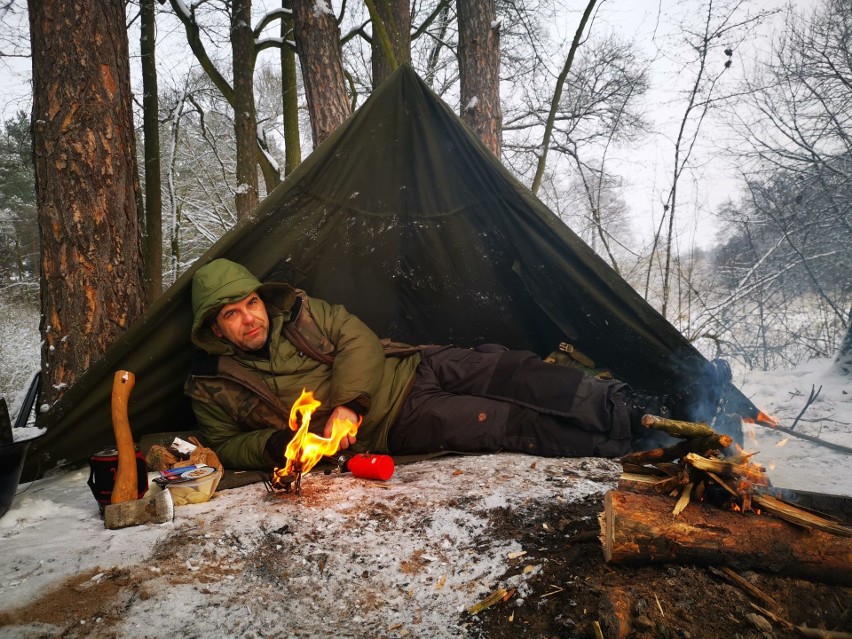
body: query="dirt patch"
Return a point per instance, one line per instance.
(576, 587)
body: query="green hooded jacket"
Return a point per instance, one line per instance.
(241, 398)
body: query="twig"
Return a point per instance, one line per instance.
(810, 438)
(552, 592)
(774, 617)
(818, 633)
(658, 605)
(811, 400)
(745, 585)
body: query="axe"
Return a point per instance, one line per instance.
(126, 509)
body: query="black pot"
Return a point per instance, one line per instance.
(11, 464)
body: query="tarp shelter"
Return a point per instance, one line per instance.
(408, 220)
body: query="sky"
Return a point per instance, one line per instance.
(399, 558)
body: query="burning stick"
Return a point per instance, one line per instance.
(678, 428)
(697, 445)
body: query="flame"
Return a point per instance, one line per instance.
(783, 442)
(307, 448)
(761, 418)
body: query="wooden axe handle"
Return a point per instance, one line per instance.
(126, 486)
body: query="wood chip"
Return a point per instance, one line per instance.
(498, 596)
(683, 502)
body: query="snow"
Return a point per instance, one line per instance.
(380, 558)
(798, 463)
(404, 557)
(322, 7)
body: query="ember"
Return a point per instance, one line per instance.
(761, 418)
(307, 448)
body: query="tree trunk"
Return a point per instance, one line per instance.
(843, 362)
(290, 95)
(193, 38)
(86, 183)
(479, 71)
(245, 120)
(318, 46)
(153, 236)
(396, 18)
(640, 529)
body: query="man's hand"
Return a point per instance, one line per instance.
(344, 414)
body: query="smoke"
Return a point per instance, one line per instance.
(707, 395)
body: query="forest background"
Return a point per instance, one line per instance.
(702, 148)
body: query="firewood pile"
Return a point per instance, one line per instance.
(692, 503)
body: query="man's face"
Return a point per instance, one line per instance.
(245, 323)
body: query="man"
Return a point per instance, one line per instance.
(261, 345)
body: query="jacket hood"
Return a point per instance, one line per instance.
(224, 282)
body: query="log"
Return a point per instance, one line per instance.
(640, 529)
(678, 428)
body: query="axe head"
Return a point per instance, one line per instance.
(154, 509)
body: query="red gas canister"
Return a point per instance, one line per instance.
(369, 466)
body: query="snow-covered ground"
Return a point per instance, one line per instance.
(792, 462)
(399, 558)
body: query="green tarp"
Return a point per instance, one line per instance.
(404, 217)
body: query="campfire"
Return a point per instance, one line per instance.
(693, 503)
(307, 448)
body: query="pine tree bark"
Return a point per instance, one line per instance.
(86, 184)
(396, 18)
(321, 60)
(245, 118)
(479, 71)
(153, 236)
